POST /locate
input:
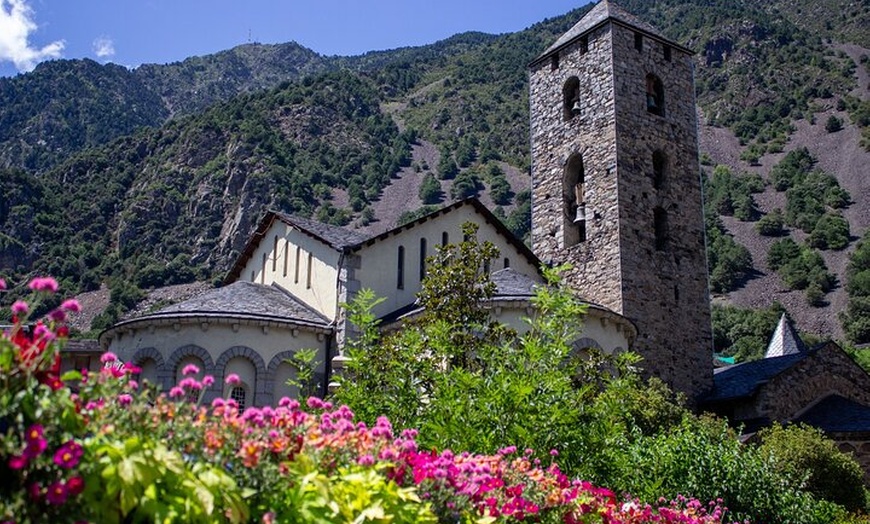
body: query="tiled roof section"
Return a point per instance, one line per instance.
(337, 237)
(82, 346)
(510, 283)
(836, 414)
(743, 380)
(784, 340)
(248, 300)
(603, 11)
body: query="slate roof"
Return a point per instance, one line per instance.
(784, 340)
(511, 284)
(82, 346)
(602, 12)
(743, 380)
(247, 300)
(336, 237)
(836, 414)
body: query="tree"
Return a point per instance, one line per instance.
(430, 190)
(833, 124)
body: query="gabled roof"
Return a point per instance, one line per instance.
(743, 380)
(511, 284)
(481, 209)
(346, 240)
(784, 340)
(603, 12)
(836, 414)
(242, 300)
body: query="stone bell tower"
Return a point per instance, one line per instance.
(616, 188)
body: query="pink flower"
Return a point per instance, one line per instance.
(190, 383)
(43, 284)
(72, 305)
(233, 379)
(207, 380)
(2, 284)
(133, 384)
(20, 307)
(34, 433)
(68, 455)
(124, 399)
(176, 392)
(108, 356)
(218, 403)
(190, 369)
(41, 331)
(57, 493)
(58, 315)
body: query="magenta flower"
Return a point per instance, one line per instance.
(43, 284)
(72, 305)
(20, 307)
(57, 493)
(35, 491)
(207, 380)
(68, 455)
(190, 383)
(108, 356)
(124, 399)
(18, 461)
(176, 392)
(58, 315)
(41, 331)
(34, 433)
(75, 485)
(190, 369)
(133, 384)
(2, 284)
(233, 379)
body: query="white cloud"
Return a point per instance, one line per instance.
(104, 47)
(16, 24)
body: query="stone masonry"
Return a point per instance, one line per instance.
(643, 252)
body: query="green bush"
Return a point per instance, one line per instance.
(833, 124)
(744, 333)
(430, 190)
(831, 232)
(728, 261)
(856, 318)
(803, 454)
(771, 224)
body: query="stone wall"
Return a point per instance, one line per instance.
(663, 291)
(827, 371)
(859, 447)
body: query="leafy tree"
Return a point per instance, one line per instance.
(465, 185)
(771, 224)
(744, 333)
(447, 167)
(856, 318)
(833, 124)
(500, 191)
(728, 261)
(830, 232)
(430, 190)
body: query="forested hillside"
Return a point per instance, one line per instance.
(157, 175)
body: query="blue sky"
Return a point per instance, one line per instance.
(133, 32)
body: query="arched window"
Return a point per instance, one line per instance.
(400, 270)
(507, 262)
(660, 169)
(660, 218)
(310, 268)
(655, 95)
(239, 394)
(574, 197)
(571, 106)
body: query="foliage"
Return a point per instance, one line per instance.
(804, 454)
(831, 232)
(744, 333)
(519, 222)
(800, 267)
(729, 195)
(771, 224)
(465, 185)
(430, 190)
(833, 124)
(728, 261)
(856, 318)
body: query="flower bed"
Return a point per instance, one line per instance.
(108, 449)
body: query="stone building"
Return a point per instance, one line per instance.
(616, 187)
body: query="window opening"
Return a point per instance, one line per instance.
(239, 394)
(554, 62)
(400, 271)
(445, 238)
(253, 276)
(286, 256)
(660, 217)
(667, 50)
(486, 267)
(655, 95)
(638, 41)
(422, 259)
(298, 259)
(574, 196)
(310, 263)
(571, 106)
(507, 262)
(263, 272)
(275, 255)
(660, 165)
(584, 44)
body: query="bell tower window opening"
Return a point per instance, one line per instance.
(667, 51)
(638, 41)
(574, 197)
(655, 95)
(554, 62)
(660, 169)
(571, 106)
(660, 223)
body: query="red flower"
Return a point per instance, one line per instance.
(57, 493)
(75, 485)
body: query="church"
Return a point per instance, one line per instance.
(616, 193)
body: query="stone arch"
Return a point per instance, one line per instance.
(574, 201)
(571, 105)
(169, 370)
(655, 95)
(261, 395)
(276, 361)
(150, 353)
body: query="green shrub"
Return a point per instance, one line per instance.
(831, 232)
(430, 190)
(771, 224)
(833, 124)
(744, 333)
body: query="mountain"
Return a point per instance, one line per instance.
(157, 175)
